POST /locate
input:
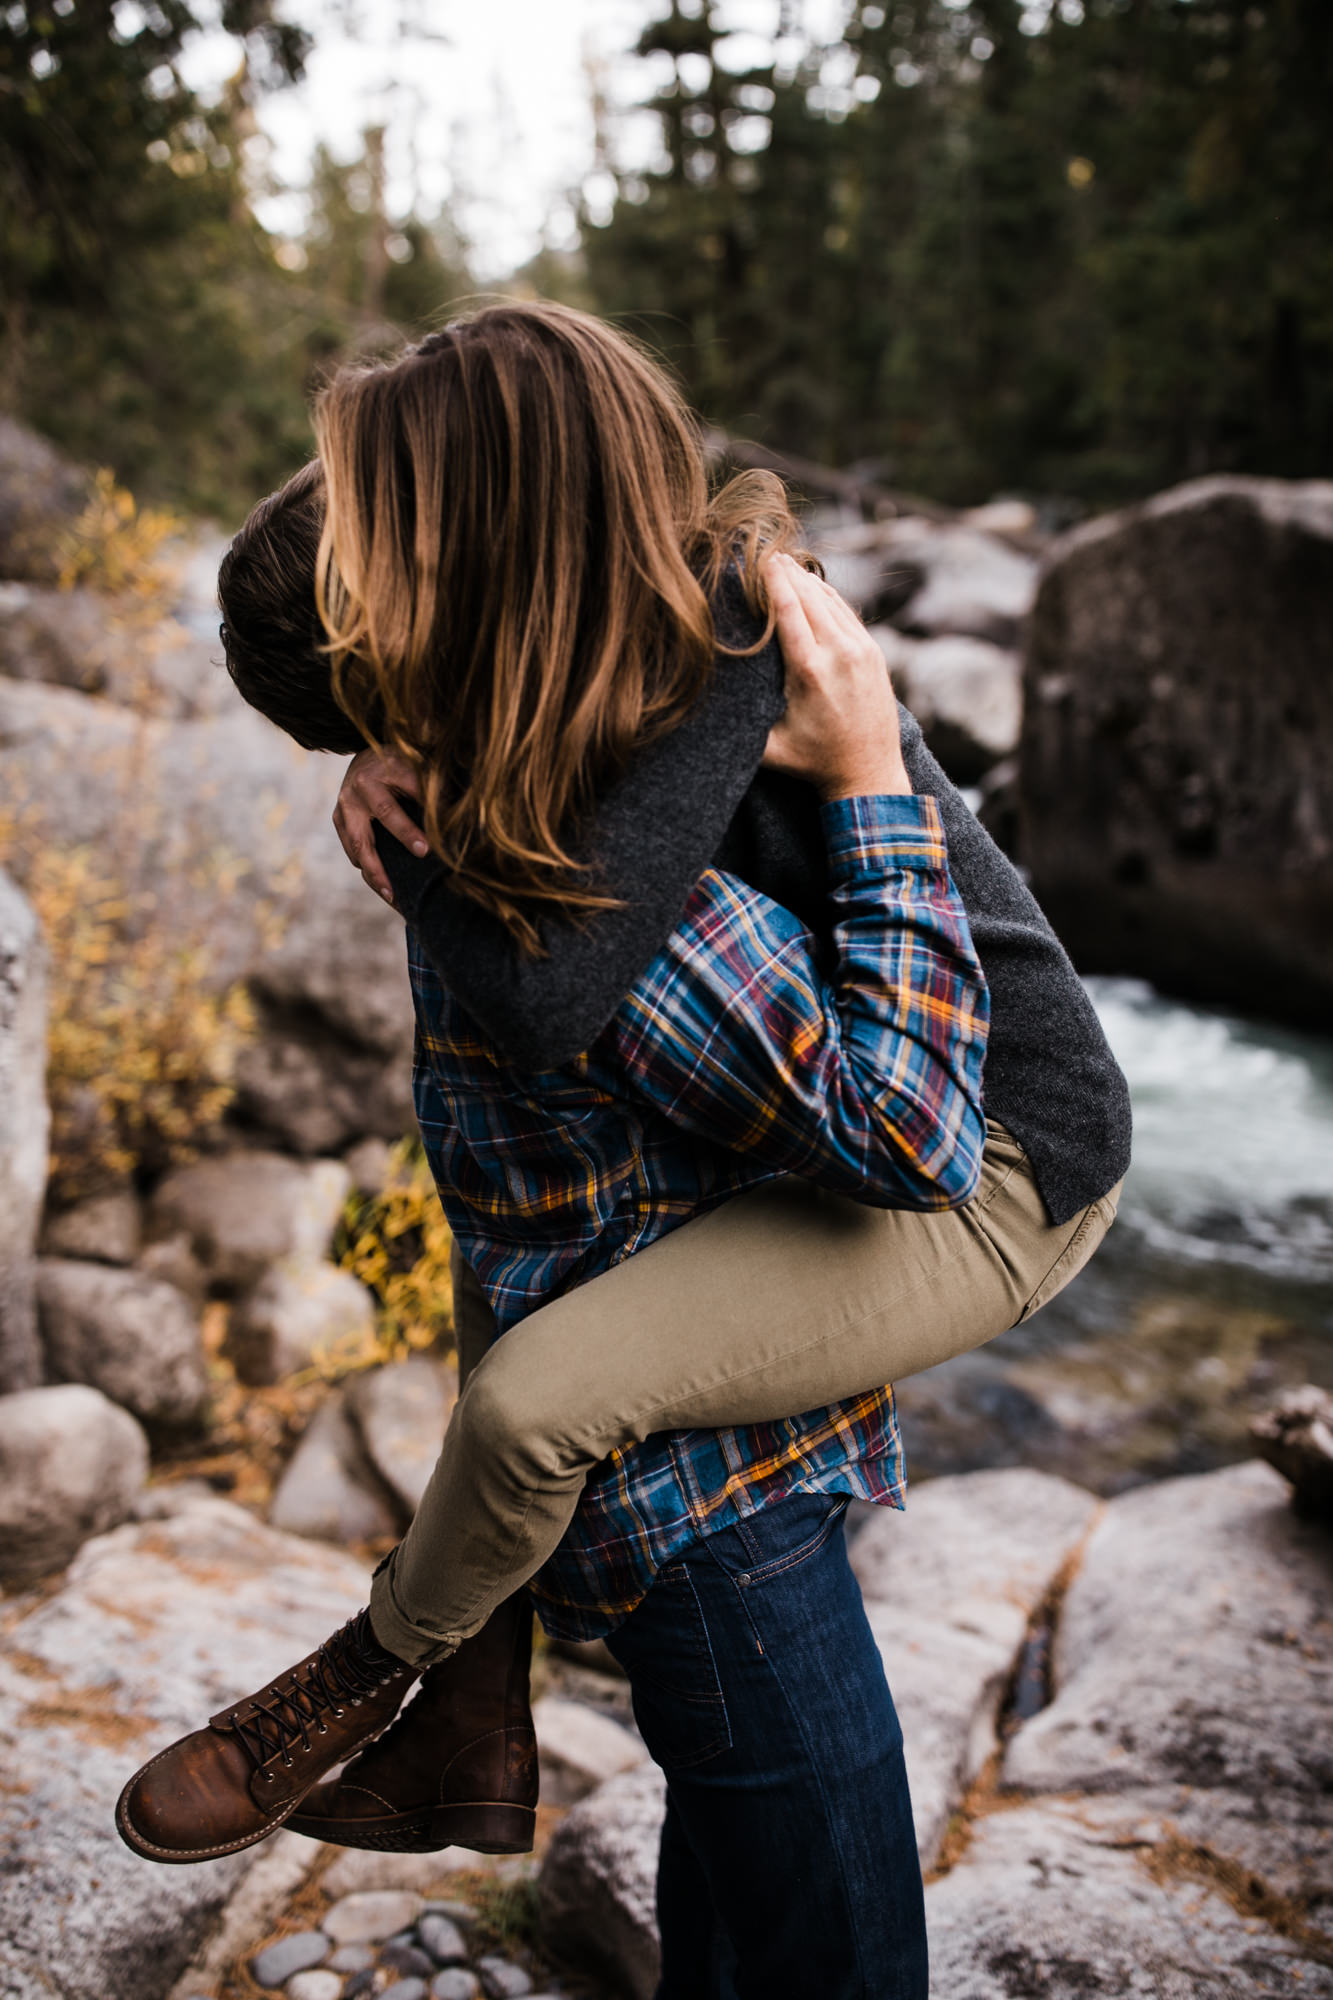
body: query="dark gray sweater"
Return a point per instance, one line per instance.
(697, 797)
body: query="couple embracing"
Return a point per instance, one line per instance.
(752, 1079)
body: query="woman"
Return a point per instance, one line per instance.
(569, 609)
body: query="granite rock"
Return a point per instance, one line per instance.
(1176, 788)
(71, 1465)
(24, 1126)
(104, 1229)
(132, 1337)
(244, 1212)
(297, 1314)
(328, 1488)
(401, 1412)
(156, 1627)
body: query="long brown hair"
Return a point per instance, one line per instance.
(515, 571)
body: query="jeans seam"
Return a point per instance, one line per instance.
(793, 1709)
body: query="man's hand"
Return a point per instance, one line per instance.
(368, 793)
(841, 726)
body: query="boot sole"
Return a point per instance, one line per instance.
(483, 1826)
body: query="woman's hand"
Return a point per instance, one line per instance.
(368, 794)
(841, 726)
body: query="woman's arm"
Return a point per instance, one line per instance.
(654, 835)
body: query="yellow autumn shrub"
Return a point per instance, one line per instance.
(397, 1243)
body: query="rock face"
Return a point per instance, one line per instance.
(24, 1125)
(234, 820)
(158, 1626)
(134, 1338)
(71, 1465)
(1176, 787)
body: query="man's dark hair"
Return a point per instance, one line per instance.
(272, 638)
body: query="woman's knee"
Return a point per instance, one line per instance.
(513, 1418)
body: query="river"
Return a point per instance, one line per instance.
(1213, 1291)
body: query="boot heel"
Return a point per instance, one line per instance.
(485, 1828)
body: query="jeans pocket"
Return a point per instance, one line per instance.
(664, 1648)
(835, 1506)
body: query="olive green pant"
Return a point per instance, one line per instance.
(780, 1301)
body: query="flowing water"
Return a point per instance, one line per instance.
(1214, 1290)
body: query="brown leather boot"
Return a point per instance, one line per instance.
(459, 1766)
(227, 1786)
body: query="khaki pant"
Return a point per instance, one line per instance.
(782, 1300)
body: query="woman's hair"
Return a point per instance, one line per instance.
(518, 553)
(273, 642)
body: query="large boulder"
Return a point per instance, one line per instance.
(233, 821)
(24, 1126)
(329, 1489)
(157, 1626)
(299, 1315)
(134, 1338)
(71, 1465)
(244, 1212)
(1176, 780)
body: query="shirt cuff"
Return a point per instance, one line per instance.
(883, 832)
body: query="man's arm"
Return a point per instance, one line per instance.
(869, 1084)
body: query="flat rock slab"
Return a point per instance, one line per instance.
(950, 1586)
(1195, 1664)
(1072, 1901)
(157, 1625)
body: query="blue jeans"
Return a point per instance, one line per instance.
(788, 1860)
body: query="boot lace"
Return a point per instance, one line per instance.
(347, 1667)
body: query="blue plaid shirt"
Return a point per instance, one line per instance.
(730, 1062)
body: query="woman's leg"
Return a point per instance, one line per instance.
(778, 1302)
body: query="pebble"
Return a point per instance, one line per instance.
(369, 1915)
(442, 1939)
(321, 1985)
(359, 1983)
(275, 1965)
(456, 1984)
(502, 1979)
(405, 1989)
(407, 1959)
(352, 1958)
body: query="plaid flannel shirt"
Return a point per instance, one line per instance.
(730, 1062)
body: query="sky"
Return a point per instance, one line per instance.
(485, 103)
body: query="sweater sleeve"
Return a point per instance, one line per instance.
(655, 833)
